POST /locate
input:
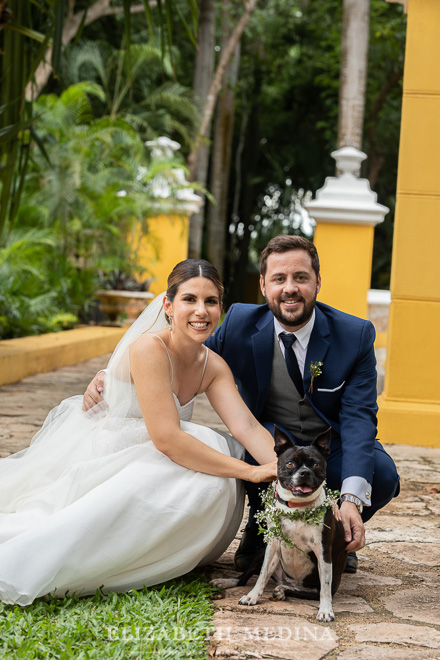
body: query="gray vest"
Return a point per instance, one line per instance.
(285, 406)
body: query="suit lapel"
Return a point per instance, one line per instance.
(318, 345)
(262, 346)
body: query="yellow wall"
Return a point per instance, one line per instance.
(410, 405)
(163, 247)
(345, 281)
(27, 356)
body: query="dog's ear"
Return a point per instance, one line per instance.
(282, 441)
(322, 442)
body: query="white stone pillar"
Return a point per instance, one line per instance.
(346, 212)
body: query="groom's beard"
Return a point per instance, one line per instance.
(290, 320)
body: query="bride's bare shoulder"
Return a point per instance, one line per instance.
(153, 342)
(217, 364)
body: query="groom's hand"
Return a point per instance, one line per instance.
(92, 395)
(353, 526)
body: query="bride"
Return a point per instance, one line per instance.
(132, 493)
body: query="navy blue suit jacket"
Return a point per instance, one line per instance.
(344, 395)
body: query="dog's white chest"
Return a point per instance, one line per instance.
(306, 537)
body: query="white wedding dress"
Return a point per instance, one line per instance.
(93, 504)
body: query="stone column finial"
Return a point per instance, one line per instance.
(348, 160)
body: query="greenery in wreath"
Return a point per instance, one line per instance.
(271, 516)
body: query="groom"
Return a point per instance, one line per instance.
(305, 366)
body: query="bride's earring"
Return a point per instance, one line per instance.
(170, 323)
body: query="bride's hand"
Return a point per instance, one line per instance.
(266, 472)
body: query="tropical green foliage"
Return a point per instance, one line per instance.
(33, 31)
(24, 40)
(88, 190)
(138, 86)
(39, 290)
(73, 166)
(77, 175)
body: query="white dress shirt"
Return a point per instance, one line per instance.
(302, 340)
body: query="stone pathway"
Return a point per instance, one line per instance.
(389, 610)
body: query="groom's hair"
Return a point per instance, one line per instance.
(285, 244)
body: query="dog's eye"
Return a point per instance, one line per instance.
(316, 466)
(290, 464)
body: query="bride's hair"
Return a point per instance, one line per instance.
(186, 270)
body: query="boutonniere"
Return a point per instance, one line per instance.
(315, 371)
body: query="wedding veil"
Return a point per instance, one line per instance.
(119, 390)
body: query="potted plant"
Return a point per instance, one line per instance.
(122, 298)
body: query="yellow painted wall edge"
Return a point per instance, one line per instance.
(27, 356)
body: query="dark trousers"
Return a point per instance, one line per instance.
(385, 486)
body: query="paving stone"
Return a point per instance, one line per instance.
(419, 604)
(411, 453)
(21, 428)
(392, 529)
(369, 652)
(15, 410)
(205, 415)
(423, 473)
(254, 636)
(16, 443)
(348, 603)
(365, 579)
(431, 579)
(408, 504)
(434, 506)
(397, 633)
(291, 606)
(342, 602)
(413, 553)
(414, 508)
(25, 405)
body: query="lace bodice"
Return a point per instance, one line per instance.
(185, 412)
(133, 431)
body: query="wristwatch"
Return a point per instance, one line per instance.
(355, 500)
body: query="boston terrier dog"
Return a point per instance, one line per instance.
(305, 554)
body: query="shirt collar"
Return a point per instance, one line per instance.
(302, 335)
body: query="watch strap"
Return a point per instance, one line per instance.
(354, 500)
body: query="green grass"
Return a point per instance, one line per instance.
(170, 621)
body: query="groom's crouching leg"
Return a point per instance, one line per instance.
(385, 486)
(386, 482)
(254, 568)
(252, 543)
